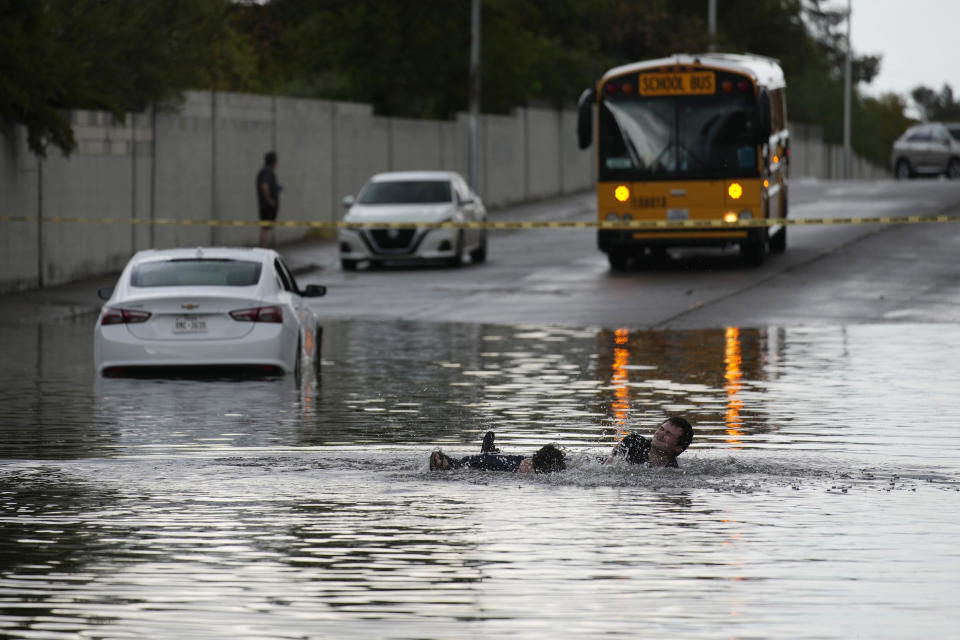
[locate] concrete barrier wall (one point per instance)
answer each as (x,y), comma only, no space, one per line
(303,135)
(543,152)
(182,173)
(19,195)
(199,163)
(810,157)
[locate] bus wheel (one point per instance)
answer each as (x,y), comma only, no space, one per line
(754,250)
(778,241)
(619,260)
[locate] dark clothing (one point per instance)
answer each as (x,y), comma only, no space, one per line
(267,176)
(488,462)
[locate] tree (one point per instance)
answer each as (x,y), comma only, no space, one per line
(936,106)
(110,55)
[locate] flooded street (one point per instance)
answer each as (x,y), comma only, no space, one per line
(819,498)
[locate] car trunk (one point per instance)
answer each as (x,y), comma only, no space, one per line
(177,315)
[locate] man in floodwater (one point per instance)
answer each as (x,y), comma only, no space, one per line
(671,438)
(547,459)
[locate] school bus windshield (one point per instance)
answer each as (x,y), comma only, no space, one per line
(678,137)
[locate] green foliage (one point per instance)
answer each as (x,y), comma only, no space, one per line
(32,85)
(111,55)
(937,106)
(881,120)
(410,58)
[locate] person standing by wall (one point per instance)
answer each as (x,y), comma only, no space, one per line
(268,196)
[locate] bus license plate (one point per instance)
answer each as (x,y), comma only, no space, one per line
(189,324)
(678,214)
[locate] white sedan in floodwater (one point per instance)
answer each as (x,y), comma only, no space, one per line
(207,306)
(413,197)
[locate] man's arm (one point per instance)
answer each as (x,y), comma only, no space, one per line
(265,190)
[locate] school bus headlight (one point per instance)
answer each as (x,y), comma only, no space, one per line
(735,190)
(611,216)
(621,193)
(733,216)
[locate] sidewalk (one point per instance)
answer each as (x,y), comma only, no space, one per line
(64,303)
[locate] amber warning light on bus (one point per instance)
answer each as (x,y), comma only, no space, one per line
(621,193)
(735,190)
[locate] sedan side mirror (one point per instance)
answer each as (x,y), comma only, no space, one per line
(348,201)
(104,293)
(314,291)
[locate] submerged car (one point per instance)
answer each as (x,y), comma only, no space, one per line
(932,148)
(219,307)
(413,197)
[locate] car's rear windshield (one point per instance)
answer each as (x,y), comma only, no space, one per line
(406,192)
(196,272)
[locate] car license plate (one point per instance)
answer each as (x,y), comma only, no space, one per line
(189,324)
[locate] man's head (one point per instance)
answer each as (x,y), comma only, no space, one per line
(548,459)
(270,159)
(673,436)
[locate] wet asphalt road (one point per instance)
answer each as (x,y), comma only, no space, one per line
(828,274)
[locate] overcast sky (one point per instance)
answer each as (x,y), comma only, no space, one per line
(918,39)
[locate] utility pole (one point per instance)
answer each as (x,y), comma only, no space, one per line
(712,23)
(474,169)
(847,90)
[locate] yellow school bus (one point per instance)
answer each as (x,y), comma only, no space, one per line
(689,137)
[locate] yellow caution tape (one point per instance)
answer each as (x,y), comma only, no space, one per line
(496,225)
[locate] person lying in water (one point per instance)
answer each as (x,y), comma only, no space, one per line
(671,438)
(547,459)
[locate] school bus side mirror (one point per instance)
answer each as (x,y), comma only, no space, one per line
(764,122)
(585,118)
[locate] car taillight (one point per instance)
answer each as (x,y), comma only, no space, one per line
(258,314)
(123,316)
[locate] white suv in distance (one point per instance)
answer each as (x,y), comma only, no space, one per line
(413,197)
(932,148)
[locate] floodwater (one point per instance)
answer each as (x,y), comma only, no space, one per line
(819,499)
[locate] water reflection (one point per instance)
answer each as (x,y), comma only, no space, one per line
(427,385)
(256,508)
(733,360)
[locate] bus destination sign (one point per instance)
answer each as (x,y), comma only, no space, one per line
(676,84)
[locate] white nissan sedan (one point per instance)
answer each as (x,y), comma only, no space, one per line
(207,306)
(412,197)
